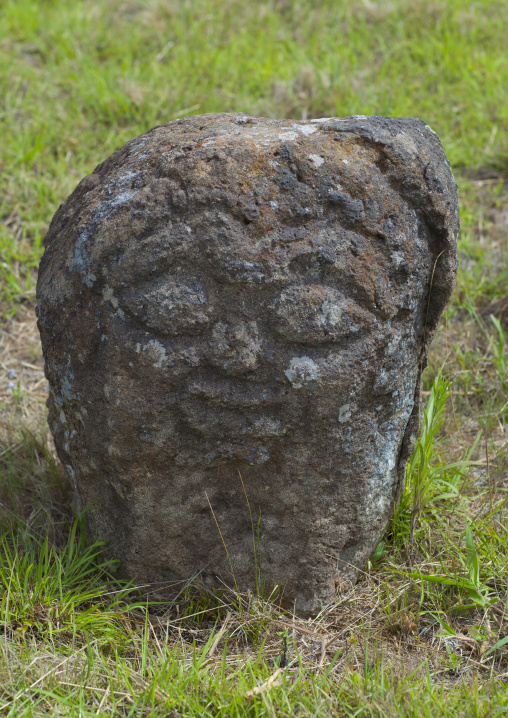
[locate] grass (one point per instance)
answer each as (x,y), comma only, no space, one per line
(424,631)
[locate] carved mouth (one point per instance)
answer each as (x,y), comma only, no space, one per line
(235,395)
(229,410)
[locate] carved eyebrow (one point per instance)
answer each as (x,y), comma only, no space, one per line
(156,253)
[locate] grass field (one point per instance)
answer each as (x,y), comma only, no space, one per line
(423,632)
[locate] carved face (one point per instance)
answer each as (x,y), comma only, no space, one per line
(251,340)
(247,297)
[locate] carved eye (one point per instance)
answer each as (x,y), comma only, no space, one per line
(317,314)
(169,306)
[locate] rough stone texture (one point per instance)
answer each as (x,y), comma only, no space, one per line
(227,294)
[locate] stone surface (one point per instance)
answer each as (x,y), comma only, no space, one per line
(231,294)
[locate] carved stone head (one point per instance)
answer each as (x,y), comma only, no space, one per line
(235,299)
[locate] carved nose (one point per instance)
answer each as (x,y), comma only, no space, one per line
(235,348)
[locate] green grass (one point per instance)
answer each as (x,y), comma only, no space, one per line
(59,593)
(423,633)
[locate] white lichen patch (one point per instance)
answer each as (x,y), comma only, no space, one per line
(156,352)
(331,313)
(406,142)
(398,259)
(393,344)
(108,296)
(301,371)
(344,413)
(338,316)
(122,198)
(305,129)
(316,160)
(288,136)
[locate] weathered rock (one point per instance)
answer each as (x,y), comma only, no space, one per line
(231,294)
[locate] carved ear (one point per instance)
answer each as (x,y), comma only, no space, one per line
(432,193)
(411,158)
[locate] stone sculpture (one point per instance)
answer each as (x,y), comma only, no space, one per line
(232,295)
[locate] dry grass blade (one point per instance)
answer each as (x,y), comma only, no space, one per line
(220,634)
(272,682)
(223,542)
(323,652)
(300,629)
(103,700)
